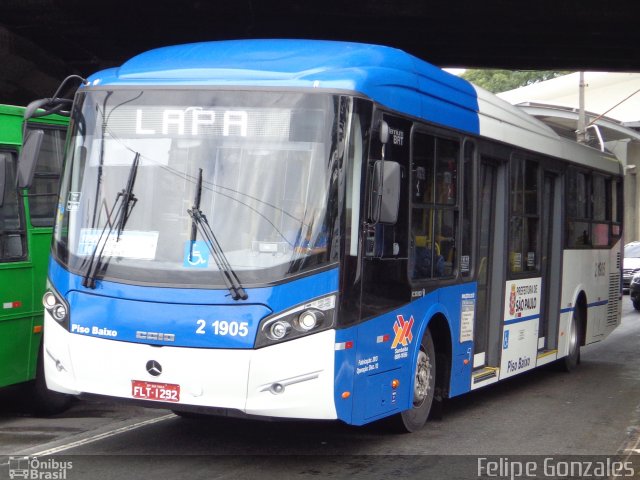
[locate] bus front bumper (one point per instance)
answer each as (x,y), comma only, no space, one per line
(294,379)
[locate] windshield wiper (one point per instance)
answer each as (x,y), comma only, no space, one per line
(196,205)
(129,200)
(125,201)
(201,224)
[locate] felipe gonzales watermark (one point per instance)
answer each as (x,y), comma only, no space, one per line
(38,469)
(550,467)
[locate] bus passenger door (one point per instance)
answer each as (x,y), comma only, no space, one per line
(15,278)
(385,285)
(550,264)
(490,271)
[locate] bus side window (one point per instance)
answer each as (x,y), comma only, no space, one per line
(616,211)
(44,190)
(12,234)
(390,240)
(434,207)
(587,216)
(524,249)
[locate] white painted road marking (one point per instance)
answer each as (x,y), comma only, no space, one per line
(93,438)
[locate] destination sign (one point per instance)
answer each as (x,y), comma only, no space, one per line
(154,121)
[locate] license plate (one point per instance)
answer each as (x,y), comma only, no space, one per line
(164,392)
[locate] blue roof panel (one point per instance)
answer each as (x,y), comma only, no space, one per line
(389,76)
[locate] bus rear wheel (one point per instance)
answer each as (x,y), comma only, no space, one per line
(424,384)
(571,361)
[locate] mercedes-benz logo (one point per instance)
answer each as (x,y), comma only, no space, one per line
(154,368)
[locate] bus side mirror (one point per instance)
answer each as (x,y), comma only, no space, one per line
(385,192)
(28,157)
(3,175)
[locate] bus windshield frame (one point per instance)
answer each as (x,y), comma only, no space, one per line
(267,159)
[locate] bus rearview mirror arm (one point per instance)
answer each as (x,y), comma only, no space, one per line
(384,136)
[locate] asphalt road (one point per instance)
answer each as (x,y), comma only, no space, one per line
(544,417)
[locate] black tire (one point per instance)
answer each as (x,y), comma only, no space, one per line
(43,402)
(190,415)
(423,392)
(212,420)
(636,304)
(571,361)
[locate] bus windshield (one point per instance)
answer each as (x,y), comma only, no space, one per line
(256,165)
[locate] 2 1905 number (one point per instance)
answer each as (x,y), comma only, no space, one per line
(224,328)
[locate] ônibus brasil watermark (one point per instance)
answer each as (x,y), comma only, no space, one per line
(33,468)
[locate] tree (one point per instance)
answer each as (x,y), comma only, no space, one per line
(497,81)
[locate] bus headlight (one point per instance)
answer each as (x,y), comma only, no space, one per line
(278,330)
(56,306)
(49,300)
(310,317)
(59,312)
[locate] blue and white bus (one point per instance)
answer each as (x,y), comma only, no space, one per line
(320,230)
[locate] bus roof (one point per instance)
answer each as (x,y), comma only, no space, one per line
(18,111)
(11,121)
(387,75)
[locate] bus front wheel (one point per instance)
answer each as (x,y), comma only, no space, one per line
(423,389)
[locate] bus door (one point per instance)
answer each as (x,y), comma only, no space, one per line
(385,284)
(490,271)
(42,198)
(551,262)
(528,263)
(15,278)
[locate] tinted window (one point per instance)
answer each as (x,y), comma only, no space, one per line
(12,234)
(43,194)
(434,200)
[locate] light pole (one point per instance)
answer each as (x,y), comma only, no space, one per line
(581,132)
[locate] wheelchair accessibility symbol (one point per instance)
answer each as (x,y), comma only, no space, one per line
(196,255)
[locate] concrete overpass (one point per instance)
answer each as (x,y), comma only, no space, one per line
(42,41)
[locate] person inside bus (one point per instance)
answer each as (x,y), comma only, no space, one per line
(423,258)
(302,237)
(314,241)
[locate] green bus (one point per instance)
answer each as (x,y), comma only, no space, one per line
(26,221)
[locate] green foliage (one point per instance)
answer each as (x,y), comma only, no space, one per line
(497,81)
